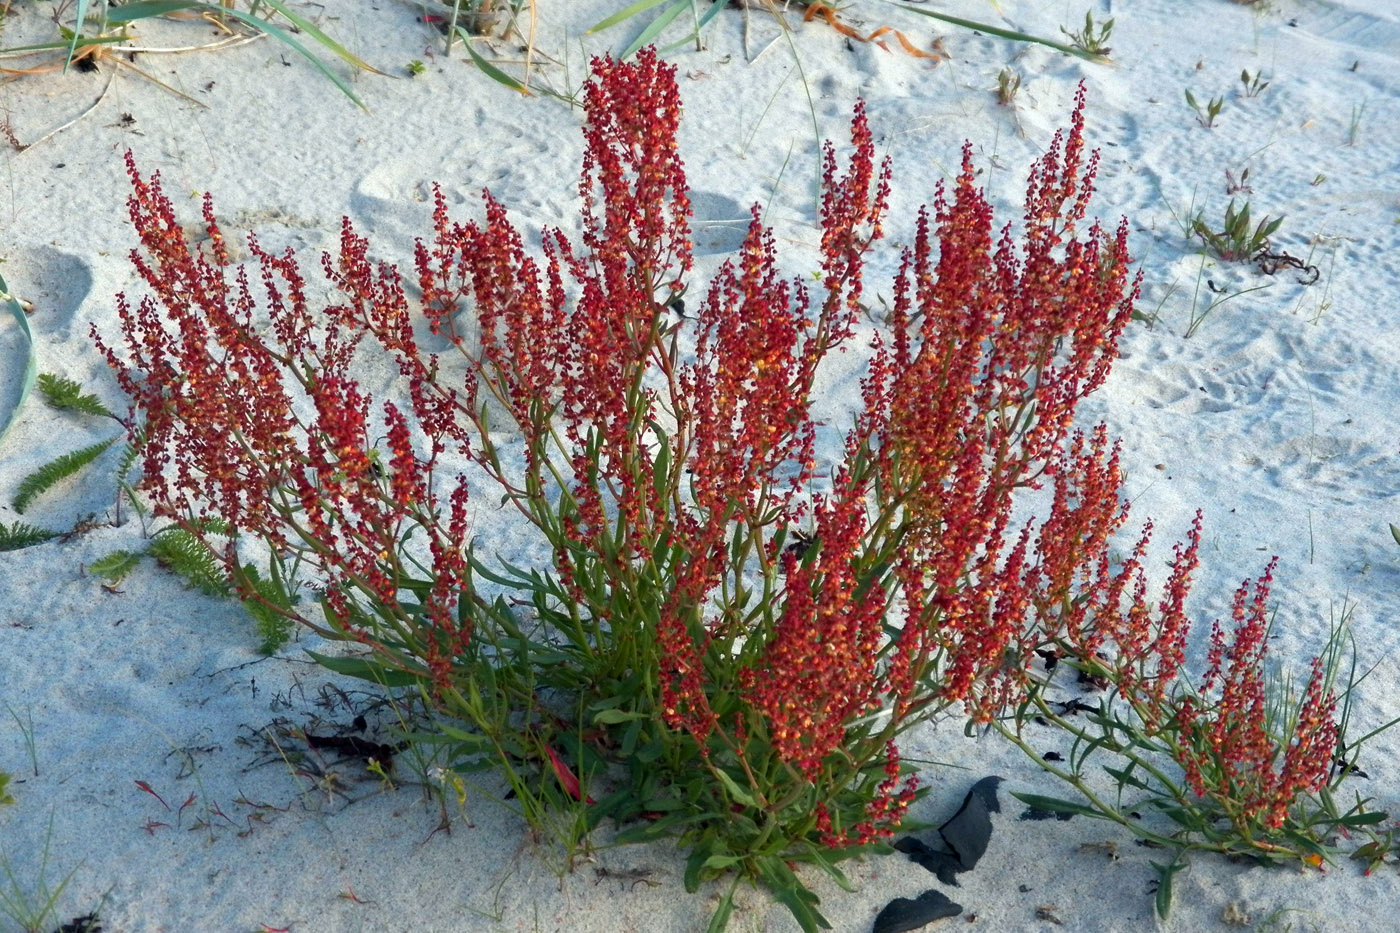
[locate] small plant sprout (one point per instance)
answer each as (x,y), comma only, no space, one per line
(1236,242)
(1008,83)
(1205,115)
(1092,39)
(415,68)
(1239,185)
(1254,84)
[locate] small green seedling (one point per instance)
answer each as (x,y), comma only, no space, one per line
(1254,84)
(1205,115)
(1354,127)
(1237,242)
(1008,83)
(415,68)
(1092,39)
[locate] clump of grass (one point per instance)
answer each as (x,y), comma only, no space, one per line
(32,912)
(1254,84)
(1206,115)
(1092,39)
(1236,242)
(100,31)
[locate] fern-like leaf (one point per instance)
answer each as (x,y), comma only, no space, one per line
(183,553)
(66,395)
(115,566)
(55,470)
(274,628)
(19,535)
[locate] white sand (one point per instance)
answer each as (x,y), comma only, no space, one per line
(1277,418)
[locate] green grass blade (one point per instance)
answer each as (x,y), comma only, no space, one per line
(641,6)
(30,366)
(55,471)
(488,69)
(654,28)
(310,28)
(145,9)
(83,41)
(1000,33)
(77,33)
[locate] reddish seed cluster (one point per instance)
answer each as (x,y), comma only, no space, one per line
(218,390)
(1227,749)
(978,401)
(820,669)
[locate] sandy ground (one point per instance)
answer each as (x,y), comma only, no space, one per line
(1274,417)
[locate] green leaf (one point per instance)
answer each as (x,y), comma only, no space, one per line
(739,794)
(55,471)
(364,669)
(654,28)
(27,379)
(800,901)
(1056,805)
(20,535)
(641,6)
(492,72)
(720,921)
(694,863)
(1165,873)
(658,829)
(1126,776)
(66,395)
(5,797)
(613,717)
(1395,533)
(115,566)
(79,17)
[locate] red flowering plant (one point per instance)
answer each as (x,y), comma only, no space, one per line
(688,662)
(1241,763)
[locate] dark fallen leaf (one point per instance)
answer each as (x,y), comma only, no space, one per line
(965,836)
(943,864)
(903,914)
(374,752)
(88,923)
(970,829)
